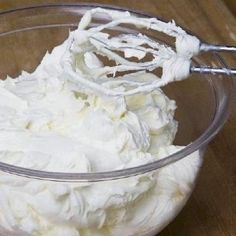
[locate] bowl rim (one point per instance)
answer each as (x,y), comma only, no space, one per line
(221,114)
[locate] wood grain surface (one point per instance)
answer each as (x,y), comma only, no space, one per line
(231,5)
(211,211)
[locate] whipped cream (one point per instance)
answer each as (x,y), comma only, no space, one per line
(69,116)
(86,44)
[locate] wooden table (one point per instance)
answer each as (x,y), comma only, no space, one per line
(210,209)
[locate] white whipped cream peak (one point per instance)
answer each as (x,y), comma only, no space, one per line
(86,44)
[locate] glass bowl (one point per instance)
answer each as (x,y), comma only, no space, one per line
(26,208)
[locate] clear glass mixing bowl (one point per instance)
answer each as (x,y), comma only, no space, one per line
(203,106)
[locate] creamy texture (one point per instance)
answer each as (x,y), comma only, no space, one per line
(86,44)
(53,122)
